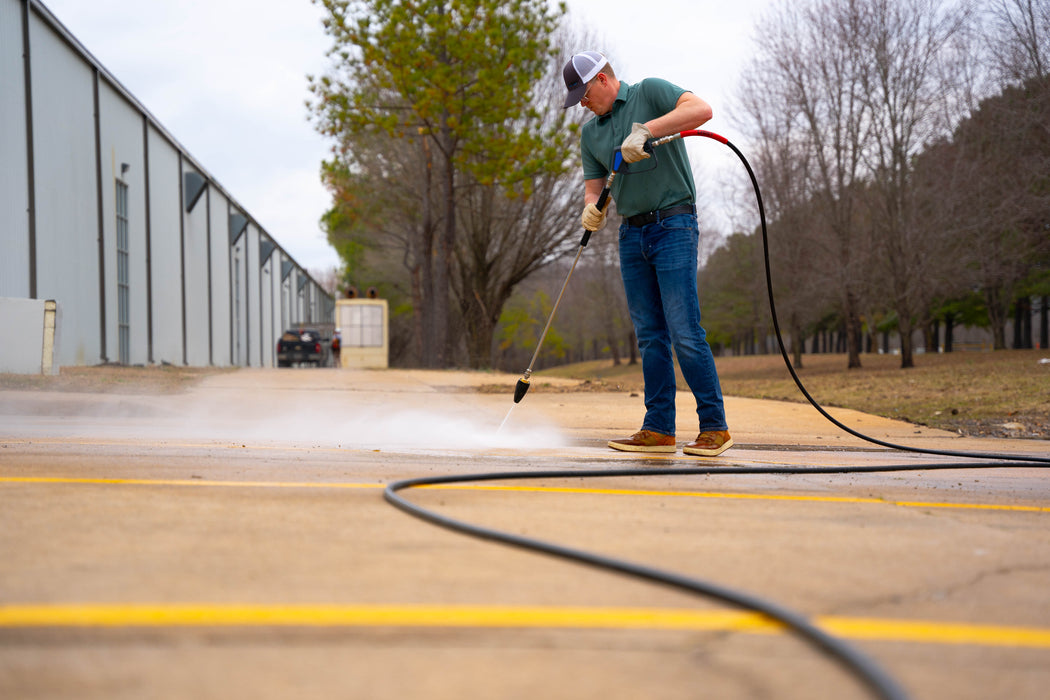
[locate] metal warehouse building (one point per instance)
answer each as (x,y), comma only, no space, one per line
(149,259)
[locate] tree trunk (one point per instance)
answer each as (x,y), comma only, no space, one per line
(905,328)
(418,317)
(996,316)
(852,331)
(798,342)
(614,347)
(422,269)
(931,335)
(441,355)
(949,327)
(1044,331)
(1023,324)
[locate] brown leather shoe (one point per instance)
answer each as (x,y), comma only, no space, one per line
(645,441)
(709,443)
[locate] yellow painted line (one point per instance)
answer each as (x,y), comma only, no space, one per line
(374,616)
(937,632)
(524,489)
(513,617)
(748,496)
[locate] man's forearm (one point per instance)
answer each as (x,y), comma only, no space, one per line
(690,112)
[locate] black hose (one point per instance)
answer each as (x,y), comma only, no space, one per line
(791,369)
(863,668)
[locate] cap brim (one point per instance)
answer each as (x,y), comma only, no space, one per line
(575,96)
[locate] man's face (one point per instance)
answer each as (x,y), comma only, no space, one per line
(598,97)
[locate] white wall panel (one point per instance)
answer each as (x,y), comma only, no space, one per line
(240,300)
(121,138)
(66,194)
(267,340)
(220,279)
(286,297)
(165,210)
(14,173)
(195,245)
(295,299)
(253,296)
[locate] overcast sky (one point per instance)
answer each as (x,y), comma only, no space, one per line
(227,78)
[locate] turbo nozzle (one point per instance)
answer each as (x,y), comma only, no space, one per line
(520,389)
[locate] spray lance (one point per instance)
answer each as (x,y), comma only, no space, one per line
(522,387)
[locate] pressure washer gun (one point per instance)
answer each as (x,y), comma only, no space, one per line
(522,387)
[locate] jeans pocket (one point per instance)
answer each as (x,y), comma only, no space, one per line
(675,246)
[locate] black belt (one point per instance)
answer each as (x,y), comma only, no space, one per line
(651,217)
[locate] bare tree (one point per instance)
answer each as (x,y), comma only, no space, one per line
(903,89)
(810,59)
(783,163)
(1021,38)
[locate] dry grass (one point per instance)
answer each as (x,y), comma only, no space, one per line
(1005,393)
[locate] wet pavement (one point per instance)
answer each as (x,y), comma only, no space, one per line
(233,541)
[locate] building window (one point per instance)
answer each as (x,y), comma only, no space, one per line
(123,285)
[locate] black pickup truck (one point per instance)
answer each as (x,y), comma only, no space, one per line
(300,346)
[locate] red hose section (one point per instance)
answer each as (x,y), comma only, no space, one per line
(708,134)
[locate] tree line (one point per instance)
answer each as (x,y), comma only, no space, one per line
(901,146)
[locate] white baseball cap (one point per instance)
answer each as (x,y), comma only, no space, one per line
(578,71)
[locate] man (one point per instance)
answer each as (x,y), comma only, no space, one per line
(658,241)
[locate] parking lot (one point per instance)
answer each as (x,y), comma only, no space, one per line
(233,541)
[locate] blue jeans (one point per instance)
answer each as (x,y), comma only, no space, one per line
(658,265)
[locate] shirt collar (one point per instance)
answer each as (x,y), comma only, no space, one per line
(621,96)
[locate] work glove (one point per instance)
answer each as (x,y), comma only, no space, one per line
(593,218)
(633,146)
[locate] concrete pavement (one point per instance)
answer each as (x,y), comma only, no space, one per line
(232,541)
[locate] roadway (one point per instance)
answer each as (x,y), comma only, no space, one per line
(233,541)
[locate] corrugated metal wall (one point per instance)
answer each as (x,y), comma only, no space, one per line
(67,192)
(195,266)
(14,187)
(201,291)
(121,130)
(252,296)
(165,249)
(219,207)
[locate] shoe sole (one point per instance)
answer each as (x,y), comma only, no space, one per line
(642,448)
(714,452)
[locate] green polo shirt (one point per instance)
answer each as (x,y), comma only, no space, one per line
(669,184)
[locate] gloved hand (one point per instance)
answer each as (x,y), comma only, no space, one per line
(632,146)
(593,218)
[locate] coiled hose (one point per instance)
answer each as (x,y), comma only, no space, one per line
(863,668)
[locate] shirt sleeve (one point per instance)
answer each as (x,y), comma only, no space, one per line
(592,166)
(661,95)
